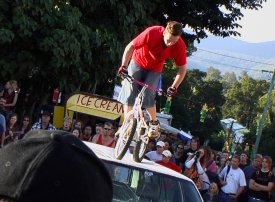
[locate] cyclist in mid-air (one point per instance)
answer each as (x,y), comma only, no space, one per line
(148,52)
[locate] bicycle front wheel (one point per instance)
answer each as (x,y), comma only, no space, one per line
(126,135)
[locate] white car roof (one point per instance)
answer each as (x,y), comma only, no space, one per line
(107,153)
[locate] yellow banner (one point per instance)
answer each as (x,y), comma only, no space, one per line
(96,102)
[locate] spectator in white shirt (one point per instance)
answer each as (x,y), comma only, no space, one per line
(233,181)
(156,155)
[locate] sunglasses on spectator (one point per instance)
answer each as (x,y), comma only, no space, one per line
(180,147)
(26,120)
(108,129)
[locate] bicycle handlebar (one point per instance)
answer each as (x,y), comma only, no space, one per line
(132,79)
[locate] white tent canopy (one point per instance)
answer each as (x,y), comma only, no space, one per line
(236,126)
(180,133)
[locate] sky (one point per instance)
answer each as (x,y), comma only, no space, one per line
(258,25)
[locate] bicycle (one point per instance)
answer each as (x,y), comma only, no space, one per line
(134,126)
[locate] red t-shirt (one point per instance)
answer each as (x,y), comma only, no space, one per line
(170,165)
(150,50)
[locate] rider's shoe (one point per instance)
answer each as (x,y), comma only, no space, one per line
(154,128)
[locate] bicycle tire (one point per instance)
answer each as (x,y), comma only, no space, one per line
(125,139)
(140,149)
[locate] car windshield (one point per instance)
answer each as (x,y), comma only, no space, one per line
(134,184)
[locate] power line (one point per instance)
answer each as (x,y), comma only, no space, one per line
(218,63)
(263,63)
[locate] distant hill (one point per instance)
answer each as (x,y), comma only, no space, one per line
(263,50)
(225,54)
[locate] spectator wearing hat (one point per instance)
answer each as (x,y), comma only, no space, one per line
(166,156)
(156,155)
(55,166)
(67,124)
(45,123)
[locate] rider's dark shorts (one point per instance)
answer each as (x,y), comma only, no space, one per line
(129,91)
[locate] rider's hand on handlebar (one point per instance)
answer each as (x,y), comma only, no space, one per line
(122,69)
(171,91)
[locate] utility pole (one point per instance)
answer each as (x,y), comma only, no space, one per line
(262,120)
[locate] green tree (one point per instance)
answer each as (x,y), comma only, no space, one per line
(266,146)
(228,79)
(218,17)
(271,109)
(213,74)
(48,44)
(242,100)
(78,44)
(194,92)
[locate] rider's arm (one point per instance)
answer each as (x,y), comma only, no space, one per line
(129,49)
(180,76)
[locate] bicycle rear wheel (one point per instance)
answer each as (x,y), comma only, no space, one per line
(140,148)
(126,135)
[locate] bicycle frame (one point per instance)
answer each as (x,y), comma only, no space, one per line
(137,112)
(140,128)
(139,115)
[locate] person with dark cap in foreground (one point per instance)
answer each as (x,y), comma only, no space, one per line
(52,166)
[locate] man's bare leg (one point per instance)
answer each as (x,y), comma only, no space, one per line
(153,113)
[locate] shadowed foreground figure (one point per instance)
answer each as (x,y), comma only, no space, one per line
(52,166)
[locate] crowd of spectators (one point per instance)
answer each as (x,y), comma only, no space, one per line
(219,176)
(12,130)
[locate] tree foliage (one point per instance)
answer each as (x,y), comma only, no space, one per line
(242,100)
(218,17)
(213,74)
(271,108)
(73,45)
(229,78)
(266,146)
(78,44)
(192,95)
